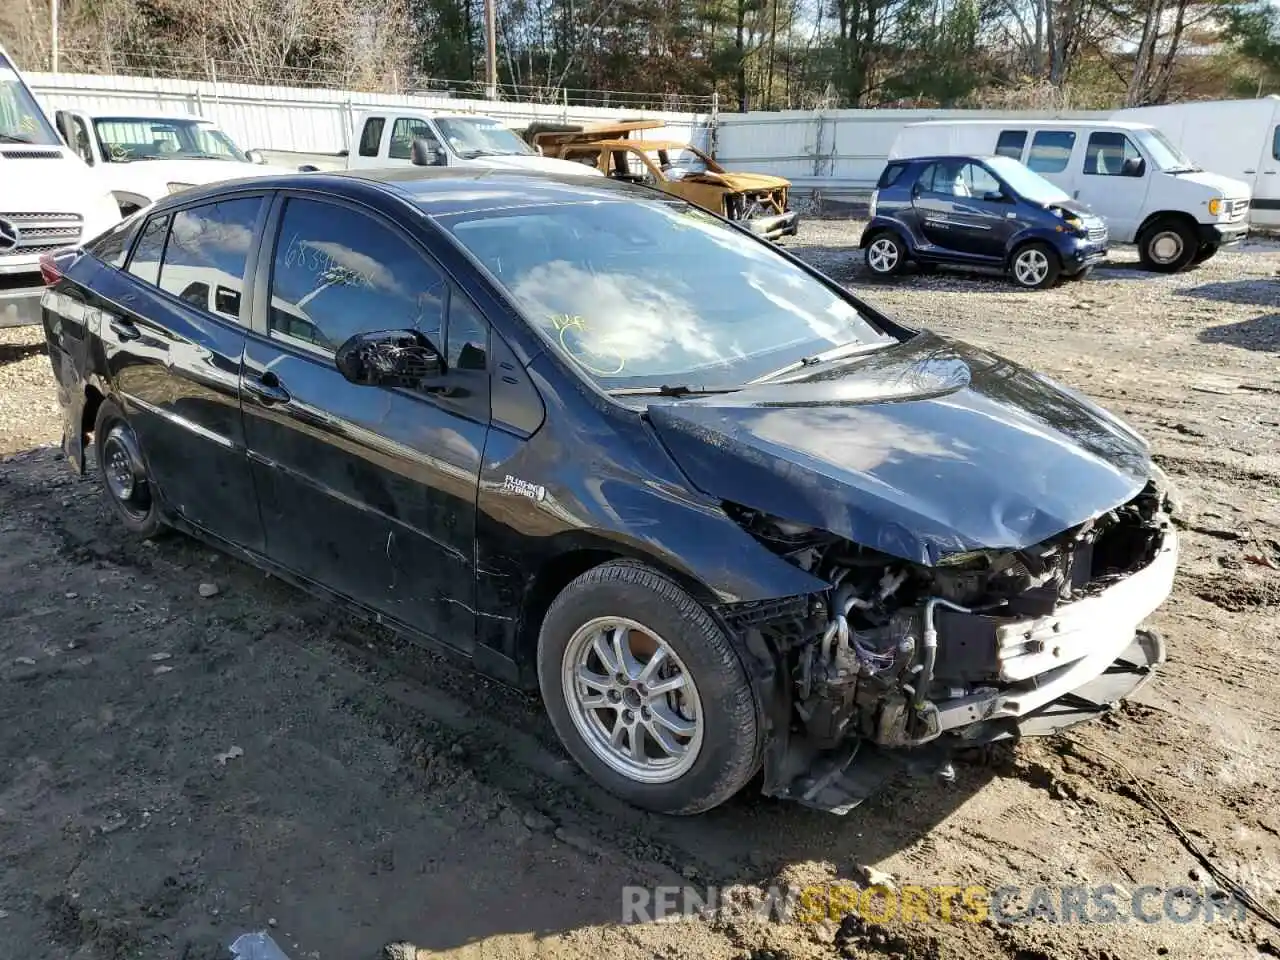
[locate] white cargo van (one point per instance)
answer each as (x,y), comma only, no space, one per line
(1239,138)
(386,138)
(1148,191)
(143,157)
(48,198)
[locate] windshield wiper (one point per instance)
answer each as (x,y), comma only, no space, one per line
(669,390)
(11,138)
(835,353)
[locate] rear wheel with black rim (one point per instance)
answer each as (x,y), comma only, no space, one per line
(124,472)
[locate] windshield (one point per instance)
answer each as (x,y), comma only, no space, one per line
(609,285)
(1164,155)
(161,138)
(21,120)
(1026,183)
(480,136)
(676,164)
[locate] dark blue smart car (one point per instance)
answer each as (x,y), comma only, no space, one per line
(980,212)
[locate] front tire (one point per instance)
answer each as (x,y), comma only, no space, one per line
(886,254)
(1035,266)
(123,473)
(647,692)
(1167,246)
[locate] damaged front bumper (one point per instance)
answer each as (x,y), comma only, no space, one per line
(774,227)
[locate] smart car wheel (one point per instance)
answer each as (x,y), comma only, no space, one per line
(1035,266)
(646,690)
(886,255)
(124,473)
(1167,246)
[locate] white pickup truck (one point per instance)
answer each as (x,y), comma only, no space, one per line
(386,139)
(48,198)
(143,157)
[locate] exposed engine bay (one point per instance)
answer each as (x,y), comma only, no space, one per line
(986,645)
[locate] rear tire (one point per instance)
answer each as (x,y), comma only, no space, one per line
(680,750)
(886,254)
(1035,266)
(1167,246)
(123,473)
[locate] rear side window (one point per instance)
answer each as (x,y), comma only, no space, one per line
(111,247)
(1051,151)
(372,136)
(204,260)
(338,272)
(145,262)
(890,175)
(407,130)
(1010,144)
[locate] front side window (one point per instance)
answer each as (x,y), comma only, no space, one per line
(21,120)
(1107,153)
(371,137)
(337,272)
(204,260)
(1010,143)
(608,285)
(145,262)
(126,139)
(978,180)
(407,130)
(1051,150)
(472,137)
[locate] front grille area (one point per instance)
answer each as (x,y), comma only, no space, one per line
(41,232)
(1237,209)
(30,155)
(1097,233)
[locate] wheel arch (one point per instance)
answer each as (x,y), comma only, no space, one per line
(878,229)
(1180,216)
(1022,241)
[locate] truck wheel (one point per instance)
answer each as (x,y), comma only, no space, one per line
(1206,251)
(886,254)
(124,472)
(1167,246)
(646,691)
(1035,266)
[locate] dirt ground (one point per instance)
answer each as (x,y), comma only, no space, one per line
(180,769)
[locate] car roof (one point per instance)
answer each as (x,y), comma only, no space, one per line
(144,115)
(930,158)
(1013,123)
(436,191)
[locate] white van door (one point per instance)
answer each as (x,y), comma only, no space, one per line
(1265,210)
(1113,178)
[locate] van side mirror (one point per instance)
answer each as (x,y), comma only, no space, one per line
(1134,167)
(254,156)
(426,153)
(389,358)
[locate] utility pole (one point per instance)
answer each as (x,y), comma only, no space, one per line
(53,31)
(490,51)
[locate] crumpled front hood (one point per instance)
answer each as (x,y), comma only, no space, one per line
(740,181)
(925,448)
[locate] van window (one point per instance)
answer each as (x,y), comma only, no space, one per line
(371,137)
(890,175)
(1107,153)
(1051,151)
(1011,143)
(407,130)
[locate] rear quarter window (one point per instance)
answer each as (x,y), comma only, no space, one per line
(891,175)
(113,246)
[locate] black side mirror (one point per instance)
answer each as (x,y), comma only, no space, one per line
(423,154)
(389,358)
(1134,167)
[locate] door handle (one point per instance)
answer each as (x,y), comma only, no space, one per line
(268,389)
(125,330)
(1268,171)
(1249,171)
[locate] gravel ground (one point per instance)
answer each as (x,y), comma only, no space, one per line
(180,769)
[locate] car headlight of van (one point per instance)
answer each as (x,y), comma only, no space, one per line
(179,187)
(1216,206)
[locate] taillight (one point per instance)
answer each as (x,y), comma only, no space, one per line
(49,270)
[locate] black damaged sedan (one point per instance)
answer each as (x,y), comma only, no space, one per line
(725,515)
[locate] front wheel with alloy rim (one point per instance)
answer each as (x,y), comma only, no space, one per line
(1035,266)
(886,255)
(124,472)
(647,691)
(1167,246)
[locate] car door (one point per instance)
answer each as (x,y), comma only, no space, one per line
(979,213)
(949,213)
(931,203)
(1113,180)
(1266,192)
(366,490)
(173,331)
